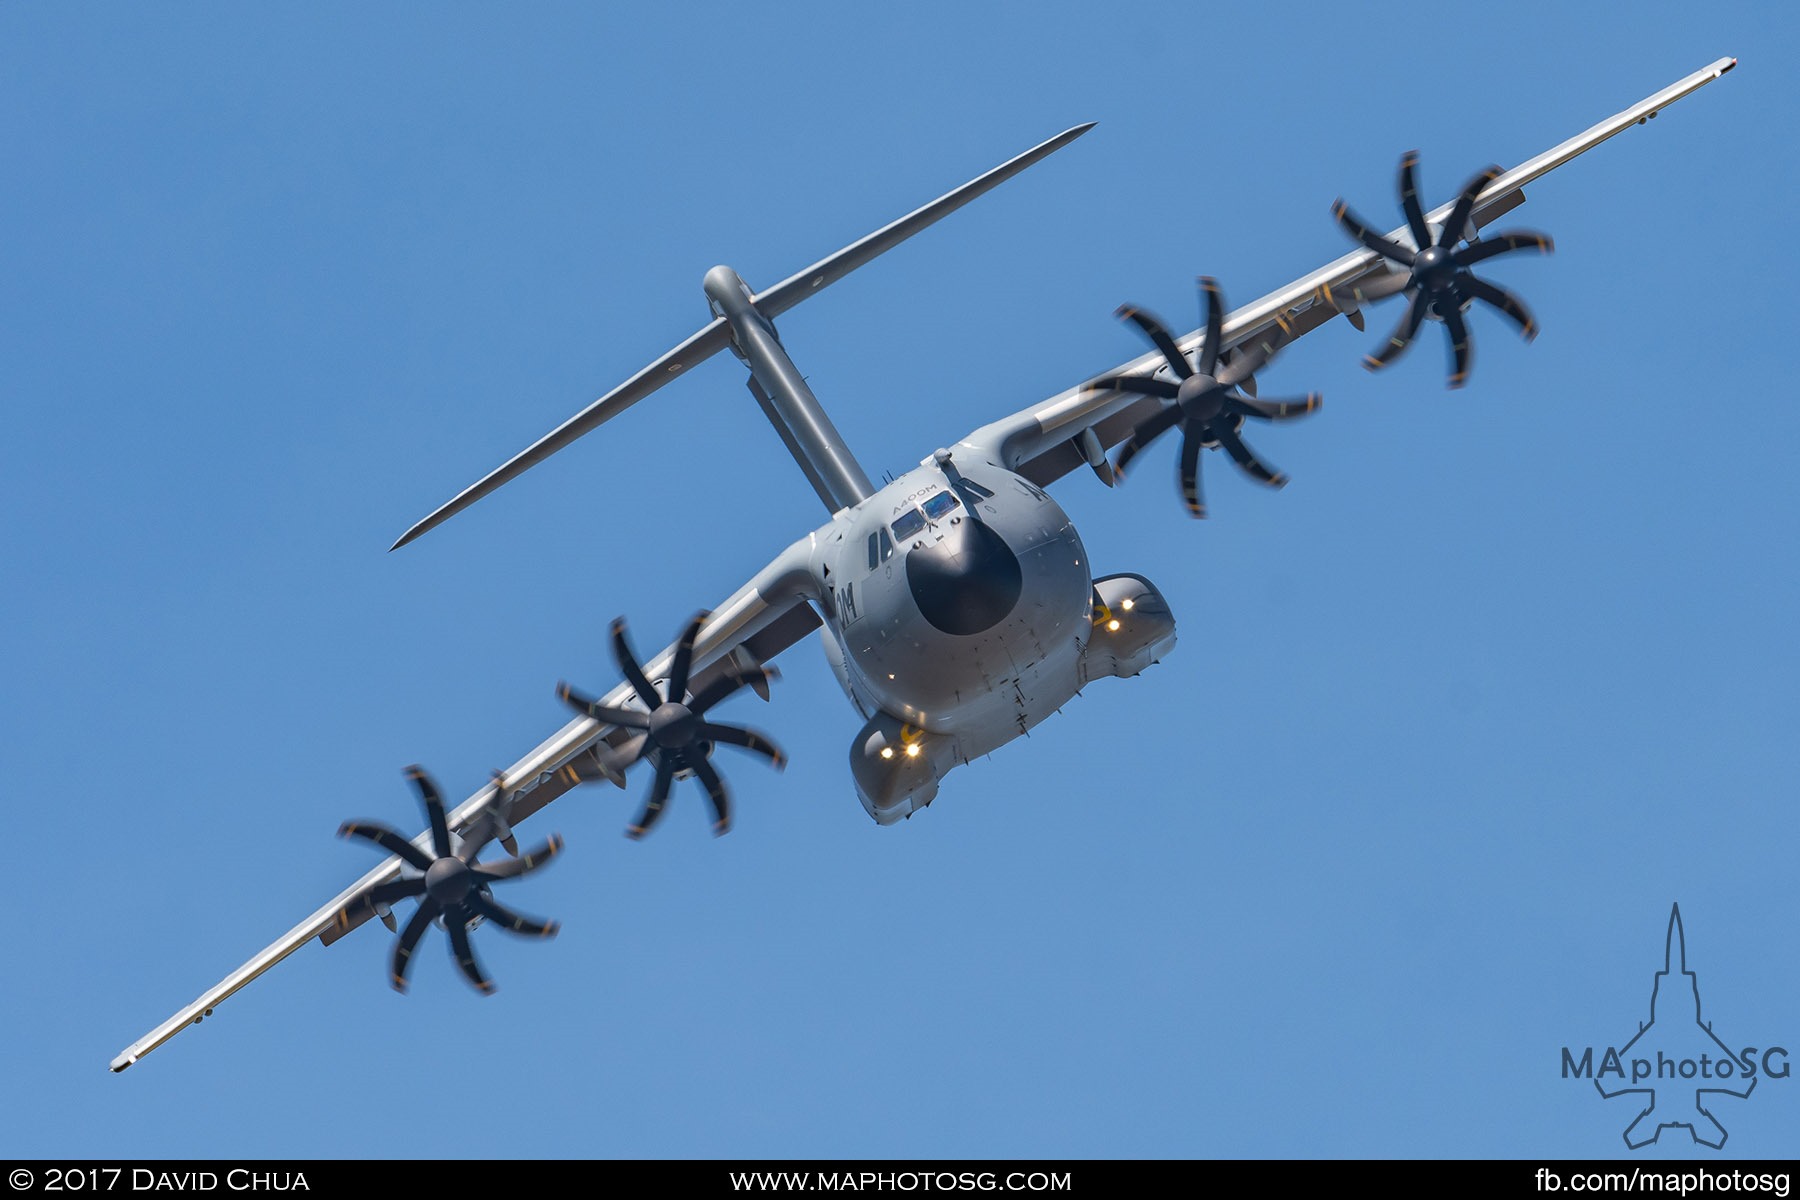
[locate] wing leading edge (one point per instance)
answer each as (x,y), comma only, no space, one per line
(1044,442)
(760,620)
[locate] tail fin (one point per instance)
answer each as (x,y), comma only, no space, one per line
(716,334)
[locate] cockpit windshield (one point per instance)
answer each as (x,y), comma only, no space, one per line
(939,506)
(908,524)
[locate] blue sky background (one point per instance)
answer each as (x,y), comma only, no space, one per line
(1453,719)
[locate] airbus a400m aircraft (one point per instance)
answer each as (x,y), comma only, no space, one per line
(956,604)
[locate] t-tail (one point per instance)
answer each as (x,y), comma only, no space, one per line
(744,321)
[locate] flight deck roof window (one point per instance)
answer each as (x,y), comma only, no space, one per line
(908,524)
(939,506)
(972,492)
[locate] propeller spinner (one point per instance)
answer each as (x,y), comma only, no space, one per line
(1436,278)
(1208,406)
(450,886)
(672,730)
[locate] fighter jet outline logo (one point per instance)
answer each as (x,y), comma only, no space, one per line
(1676,992)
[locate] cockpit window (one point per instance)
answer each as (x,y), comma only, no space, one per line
(887,546)
(875,550)
(939,505)
(908,525)
(972,492)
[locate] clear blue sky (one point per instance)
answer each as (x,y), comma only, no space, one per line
(1452,721)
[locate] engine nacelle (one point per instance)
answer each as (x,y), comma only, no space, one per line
(1133,628)
(897,766)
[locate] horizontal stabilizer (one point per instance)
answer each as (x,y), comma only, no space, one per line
(716,334)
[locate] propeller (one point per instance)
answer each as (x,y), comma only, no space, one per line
(1208,404)
(452,888)
(1436,279)
(671,730)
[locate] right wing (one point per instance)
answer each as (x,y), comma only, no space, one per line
(1050,439)
(760,620)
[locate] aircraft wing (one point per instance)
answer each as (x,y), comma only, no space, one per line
(1052,438)
(760,620)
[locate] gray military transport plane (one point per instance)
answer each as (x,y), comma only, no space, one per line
(957,605)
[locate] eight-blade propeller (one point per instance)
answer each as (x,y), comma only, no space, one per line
(671,730)
(1437,279)
(453,887)
(1208,405)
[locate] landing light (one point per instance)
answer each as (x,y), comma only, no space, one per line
(912,750)
(887,752)
(1127,603)
(1112,626)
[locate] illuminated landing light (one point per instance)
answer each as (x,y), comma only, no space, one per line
(887,752)
(1112,626)
(890,674)
(912,750)
(1127,604)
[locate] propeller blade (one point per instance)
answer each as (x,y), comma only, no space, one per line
(398,889)
(715,792)
(512,868)
(727,684)
(1461,351)
(1191,445)
(1242,367)
(465,955)
(1240,454)
(409,938)
(1137,385)
(477,836)
(1503,243)
(1505,301)
(1276,410)
(1215,324)
(1403,333)
(659,796)
(434,808)
(627,755)
(509,920)
(1159,336)
(684,657)
(388,840)
(1144,434)
(628,666)
(1458,224)
(1392,251)
(748,739)
(587,705)
(1409,200)
(1253,357)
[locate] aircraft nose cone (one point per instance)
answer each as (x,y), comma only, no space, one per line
(966,583)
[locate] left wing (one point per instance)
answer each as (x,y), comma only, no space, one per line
(1050,439)
(760,620)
